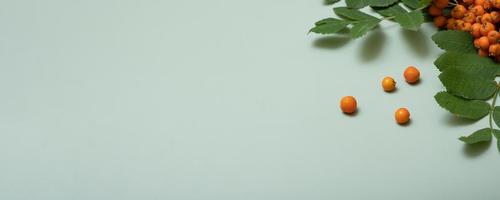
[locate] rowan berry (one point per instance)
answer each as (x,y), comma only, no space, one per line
(411,74)
(402,116)
(348,104)
(388,84)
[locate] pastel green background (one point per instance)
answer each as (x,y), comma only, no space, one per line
(221,99)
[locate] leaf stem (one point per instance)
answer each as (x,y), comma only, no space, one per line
(493,106)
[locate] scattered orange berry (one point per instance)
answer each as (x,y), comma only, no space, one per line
(348,104)
(402,116)
(388,84)
(411,74)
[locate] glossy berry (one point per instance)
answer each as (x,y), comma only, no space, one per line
(348,104)
(402,116)
(411,74)
(388,84)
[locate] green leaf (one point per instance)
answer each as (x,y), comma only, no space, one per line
(329,26)
(390,11)
(455,41)
(472,64)
(353,14)
(411,20)
(496,115)
(360,28)
(330,2)
(356,4)
(466,85)
(381,3)
(413,4)
(483,135)
(469,109)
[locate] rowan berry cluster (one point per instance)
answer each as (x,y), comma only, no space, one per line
(481,18)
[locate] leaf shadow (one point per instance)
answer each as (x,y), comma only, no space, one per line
(372,45)
(474,150)
(331,42)
(453,121)
(417,41)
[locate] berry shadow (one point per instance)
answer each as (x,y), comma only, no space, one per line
(406,124)
(453,121)
(419,81)
(354,114)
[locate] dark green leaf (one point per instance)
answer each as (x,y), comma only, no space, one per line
(390,11)
(466,85)
(356,4)
(411,20)
(360,28)
(496,115)
(329,25)
(353,14)
(455,41)
(483,135)
(472,64)
(469,109)
(381,3)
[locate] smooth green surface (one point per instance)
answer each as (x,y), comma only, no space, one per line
(224,99)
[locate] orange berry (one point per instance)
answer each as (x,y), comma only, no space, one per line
(441,3)
(450,24)
(476,43)
(495,3)
(479,2)
(486,18)
(487,5)
(348,104)
(440,21)
(483,43)
(388,84)
(482,52)
(458,11)
(495,17)
(411,74)
(402,116)
(477,10)
(435,11)
(486,28)
(467,27)
(469,17)
(493,36)
(493,49)
(476,30)
(459,24)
